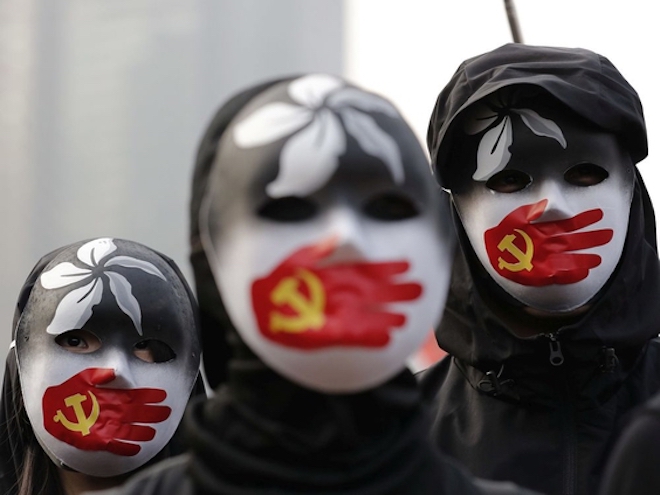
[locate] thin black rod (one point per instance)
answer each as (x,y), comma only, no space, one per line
(513,21)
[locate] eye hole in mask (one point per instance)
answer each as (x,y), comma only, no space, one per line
(509,181)
(79,341)
(288,209)
(153,351)
(85,342)
(390,207)
(585,175)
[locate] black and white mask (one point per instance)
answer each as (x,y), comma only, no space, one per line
(108,354)
(544,198)
(327,237)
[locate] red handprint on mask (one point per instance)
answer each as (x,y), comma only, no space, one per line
(539,254)
(88,417)
(307,306)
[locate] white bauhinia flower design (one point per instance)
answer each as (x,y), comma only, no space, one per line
(493,152)
(75,308)
(316,130)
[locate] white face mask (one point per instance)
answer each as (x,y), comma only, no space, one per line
(95,402)
(332,278)
(546,210)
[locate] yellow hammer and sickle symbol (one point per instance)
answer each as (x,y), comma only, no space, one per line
(524,258)
(309,311)
(84,423)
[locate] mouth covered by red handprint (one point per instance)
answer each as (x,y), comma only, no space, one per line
(88,417)
(305,304)
(542,253)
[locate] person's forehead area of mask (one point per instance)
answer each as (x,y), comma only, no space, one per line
(240,178)
(166,313)
(587,156)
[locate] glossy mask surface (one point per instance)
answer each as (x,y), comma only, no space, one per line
(328,240)
(547,204)
(106,398)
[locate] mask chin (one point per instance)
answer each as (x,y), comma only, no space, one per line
(554,299)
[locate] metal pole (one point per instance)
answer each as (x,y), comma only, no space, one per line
(513,21)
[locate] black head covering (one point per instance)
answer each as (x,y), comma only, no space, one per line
(584,81)
(475,328)
(16,435)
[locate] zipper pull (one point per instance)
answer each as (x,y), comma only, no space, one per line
(556,356)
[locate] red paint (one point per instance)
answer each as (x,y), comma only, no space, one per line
(102,418)
(307,305)
(539,254)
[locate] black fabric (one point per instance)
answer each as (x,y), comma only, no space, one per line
(411,467)
(304,442)
(500,406)
(633,465)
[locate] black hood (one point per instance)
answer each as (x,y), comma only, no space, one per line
(476,326)
(586,82)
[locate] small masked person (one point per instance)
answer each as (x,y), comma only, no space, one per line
(321,248)
(552,314)
(105,355)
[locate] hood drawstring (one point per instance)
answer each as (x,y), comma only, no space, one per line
(492,385)
(608,360)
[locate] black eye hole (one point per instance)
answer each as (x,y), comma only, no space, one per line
(288,209)
(153,351)
(509,181)
(78,341)
(390,206)
(585,175)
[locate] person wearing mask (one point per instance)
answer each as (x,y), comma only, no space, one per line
(104,357)
(321,250)
(551,321)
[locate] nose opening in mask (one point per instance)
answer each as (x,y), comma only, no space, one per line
(118,361)
(346,229)
(557,207)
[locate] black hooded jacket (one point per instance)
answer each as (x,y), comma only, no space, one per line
(260,433)
(542,411)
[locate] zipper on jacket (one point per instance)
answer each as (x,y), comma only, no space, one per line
(567,413)
(556,356)
(569,470)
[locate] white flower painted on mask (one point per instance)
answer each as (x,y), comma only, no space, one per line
(317,131)
(493,152)
(75,308)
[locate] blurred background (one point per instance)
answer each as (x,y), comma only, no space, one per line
(102,102)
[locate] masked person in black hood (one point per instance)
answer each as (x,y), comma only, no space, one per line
(321,247)
(551,318)
(105,354)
